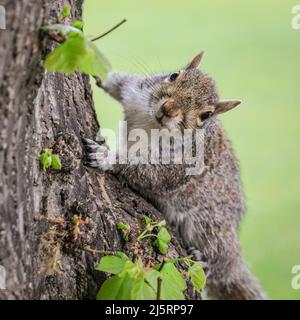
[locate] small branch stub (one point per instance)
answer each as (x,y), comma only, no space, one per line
(159,281)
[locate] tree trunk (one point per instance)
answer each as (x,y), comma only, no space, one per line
(41,250)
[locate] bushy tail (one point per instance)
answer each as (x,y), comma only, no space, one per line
(238,284)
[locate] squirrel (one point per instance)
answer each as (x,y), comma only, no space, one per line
(206,209)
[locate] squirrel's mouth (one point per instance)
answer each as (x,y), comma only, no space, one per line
(159,119)
(167,122)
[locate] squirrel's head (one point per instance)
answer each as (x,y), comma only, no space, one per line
(185,99)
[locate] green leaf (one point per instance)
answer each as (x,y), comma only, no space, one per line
(197,276)
(94,62)
(65,57)
(111,264)
(162,241)
(77,24)
(151,277)
(161,246)
(132,268)
(134,283)
(173,283)
(66,11)
(55,163)
(141,290)
(129,284)
(77,53)
(119,287)
(164,235)
(46,159)
(111,287)
(170,272)
(146,292)
(123,226)
(122,256)
(147,220)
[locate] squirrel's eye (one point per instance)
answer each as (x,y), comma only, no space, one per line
(174,76)
(204,116)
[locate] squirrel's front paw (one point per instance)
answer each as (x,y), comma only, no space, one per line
(97,156)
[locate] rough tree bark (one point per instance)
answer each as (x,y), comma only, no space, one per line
(41,255)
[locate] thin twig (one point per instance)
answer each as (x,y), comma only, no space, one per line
(162,265)
(147,236)
(159,281)
(94,251)
(109,31)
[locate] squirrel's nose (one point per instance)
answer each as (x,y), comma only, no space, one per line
(169,110)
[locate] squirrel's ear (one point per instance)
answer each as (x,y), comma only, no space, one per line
(226,105)
(195,62)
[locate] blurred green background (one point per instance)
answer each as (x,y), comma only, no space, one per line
(253,53)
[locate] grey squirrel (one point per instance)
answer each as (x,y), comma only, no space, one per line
(207,208)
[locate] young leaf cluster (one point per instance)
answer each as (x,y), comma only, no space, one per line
(131,280)
(49,160)
(77,52)
(162,237)
(125,228)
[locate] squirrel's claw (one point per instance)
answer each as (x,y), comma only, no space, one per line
(96,155)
